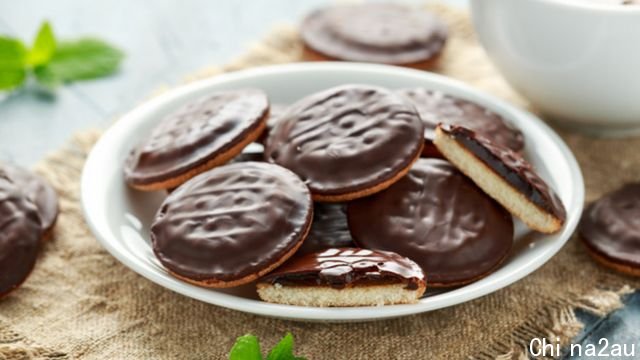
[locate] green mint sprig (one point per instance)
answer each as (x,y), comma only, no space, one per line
(247,347)
(55,62)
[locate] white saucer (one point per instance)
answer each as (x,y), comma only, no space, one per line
(120,217)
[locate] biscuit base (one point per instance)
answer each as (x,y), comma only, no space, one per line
(370,190)
(309,54)
(495,186)
(216,283)
(217,160)
(326,296)
(611,264)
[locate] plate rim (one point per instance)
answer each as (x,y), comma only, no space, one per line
(300,313)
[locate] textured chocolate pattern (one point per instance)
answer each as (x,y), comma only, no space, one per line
(347,138)
(232,221)
(20,236)
(37,190)
(436,107)
(382,33)
(611,225)
(195,134)
(440,219)
(512,167)
(342,267)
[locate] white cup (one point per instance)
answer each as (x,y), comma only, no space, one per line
(578,61)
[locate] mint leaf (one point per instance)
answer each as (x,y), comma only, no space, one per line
(10,79)
(12,63)
(283,350)
(246,347)
(43,47)
(79,60)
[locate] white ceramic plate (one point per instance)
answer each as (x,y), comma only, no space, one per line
(120,217)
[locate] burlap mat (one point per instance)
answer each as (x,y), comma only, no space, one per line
(82,303)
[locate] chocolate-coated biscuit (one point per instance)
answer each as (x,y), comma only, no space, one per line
(20,236)
(610,229)
(347,142)
(438,218)
(202,134)
(232,224)
(503,174)
(380,33)
(344,277)
(38,191)
(436,107)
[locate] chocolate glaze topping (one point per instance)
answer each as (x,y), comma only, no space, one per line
(436,107)
(346,139)
(512,167)
(440,219)
(328,230)
(611,225)
(382,33)
(20,235)
(345,267)
(232,221)
(37,190)
(196,133)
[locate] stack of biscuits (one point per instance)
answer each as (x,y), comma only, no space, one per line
(362,194)
(344,207)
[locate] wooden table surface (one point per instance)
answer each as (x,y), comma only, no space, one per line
(164,40)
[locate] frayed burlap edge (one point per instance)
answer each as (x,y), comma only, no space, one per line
(557,323)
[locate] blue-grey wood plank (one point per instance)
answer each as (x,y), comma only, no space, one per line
(620,328)
(32,125)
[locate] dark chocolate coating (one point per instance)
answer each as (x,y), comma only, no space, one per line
(346,139)
(610,226)
(381,33)
(20,236)
(436,107)
(344,267)
(195,134)
(438,218)
(37,190)
(512,167)
(232,221)
(328,230)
